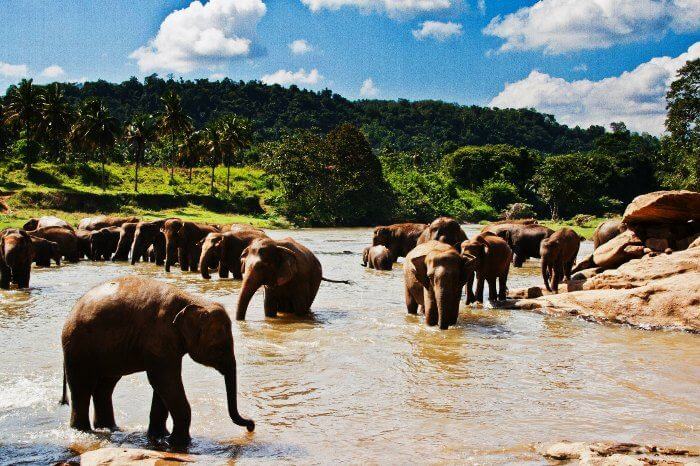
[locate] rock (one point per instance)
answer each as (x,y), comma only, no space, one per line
(663,206)
(622,248)
(586,274)
(695,244)
(651,292)
(616,454)
(134,456)
(657,244)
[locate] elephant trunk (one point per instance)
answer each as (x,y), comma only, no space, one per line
(545,274)
(232,399)
(136,251)
(205,258)
(251,283)
(447,301)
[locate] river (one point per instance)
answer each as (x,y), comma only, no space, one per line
(362,381)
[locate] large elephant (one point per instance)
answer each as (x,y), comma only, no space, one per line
(134,324)
(446,230)
(126,239)
(15,258)
(67,241)
(434,274)
(377,257)
(290,273)
(103,243)
(524,239)
(44,251)
(399,238)
(149,234)
(607,231)
(83,243)
(223,251)
(181,243)
(489,257)
(558,253)
(46,221)
(103,221)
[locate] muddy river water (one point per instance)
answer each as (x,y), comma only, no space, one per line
(362,381)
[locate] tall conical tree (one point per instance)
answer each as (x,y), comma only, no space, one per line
(95,129)
(173,121)
(139,132)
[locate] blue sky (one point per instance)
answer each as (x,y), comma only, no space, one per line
(586,61)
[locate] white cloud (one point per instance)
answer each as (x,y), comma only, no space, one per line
(580,68)
(393,8)
(8,70)
(369,89)
(438,30)
(287,78)
(636,97)
(300,47)
(52,72)
(558,26)
(217,77)
(481,5)
(202,35)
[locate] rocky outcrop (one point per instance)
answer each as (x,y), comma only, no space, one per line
(615,453)
(661,291)
(663,207)
(134,456)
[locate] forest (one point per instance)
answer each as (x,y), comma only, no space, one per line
(332,161)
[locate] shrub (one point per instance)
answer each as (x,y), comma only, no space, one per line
(499,194)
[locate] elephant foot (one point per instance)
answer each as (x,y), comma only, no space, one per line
(179,440)
(111,428)
(157,433)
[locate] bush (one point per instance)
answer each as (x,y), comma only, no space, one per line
(499,194)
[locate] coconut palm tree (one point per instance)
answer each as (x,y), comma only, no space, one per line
(192,151)
(57,116)
(215,144)
(236,134)
(23,106)
(173,121)
(95,129)
(138,133)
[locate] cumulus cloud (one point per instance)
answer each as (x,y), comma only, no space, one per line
(636,97)
(558,26)
(369,89)
(217,77)
(287,78)
(438,30)
(393,8)
(202,35)
(8,70)
(300,47)
(52,72)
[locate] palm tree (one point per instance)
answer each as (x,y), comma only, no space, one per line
(173,121)
(192,151)
(57,116)
(215,145)
(96,129)
(23,106)
(138,133)
(236,135)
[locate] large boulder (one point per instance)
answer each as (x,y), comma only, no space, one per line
(663,207)
(616,454)
(660,291)
(622,248)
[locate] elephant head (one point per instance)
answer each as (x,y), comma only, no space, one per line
(264,262)
(446,230)
(206,333)
(145,235)
(383,236)
(365,256)
(31,224)
(211,253)
(474,252)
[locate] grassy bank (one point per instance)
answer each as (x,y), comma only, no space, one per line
(584,229)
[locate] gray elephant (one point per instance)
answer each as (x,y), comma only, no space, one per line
(223,251)
(446,230)
(16,252)
(377,257)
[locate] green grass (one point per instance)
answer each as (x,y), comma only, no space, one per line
(584,229)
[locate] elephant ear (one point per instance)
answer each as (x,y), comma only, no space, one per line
(190,322)
(420,270)
(467,261)
(480,239)
(287,267)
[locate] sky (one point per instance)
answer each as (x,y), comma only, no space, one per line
(585,61)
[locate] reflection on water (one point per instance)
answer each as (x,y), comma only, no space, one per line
(362,380)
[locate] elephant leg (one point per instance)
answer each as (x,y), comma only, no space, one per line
(469,287)
(431,310)
(158,418)
(546,274)
(567,269)
(194,259)
(183,258)
(558,275)
(223,270)
(167,383)
(411,303)
(271,304)
(480,289)
(492,289)
(81,390)
(102,402)
(4,276)
(502,287)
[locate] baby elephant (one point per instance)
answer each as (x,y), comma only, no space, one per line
(377,257)
(559,253)
(134,324)
(434,274)
(489,257)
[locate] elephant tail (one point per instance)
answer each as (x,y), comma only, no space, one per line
(64,397)
(345,282)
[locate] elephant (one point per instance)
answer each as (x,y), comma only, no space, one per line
(445,230)
(607,231)
(489,257)
(182,237)
(103,243)
(46,221)
(377,257)
(126,238)
(16,252)
(434,274)
(290,273)
(103,221)
(149,234)
(559,253)
(524,239)
(399,238)
(45,250)
(133,324)
(67,241)
(223,251)
(83,243)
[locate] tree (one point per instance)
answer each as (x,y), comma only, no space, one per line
(173,121)
(566,184)
(57,117)
(192,151)
(215,145)
(23,106)
(138,133)
(236,134)
(96,130)
(682,146)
